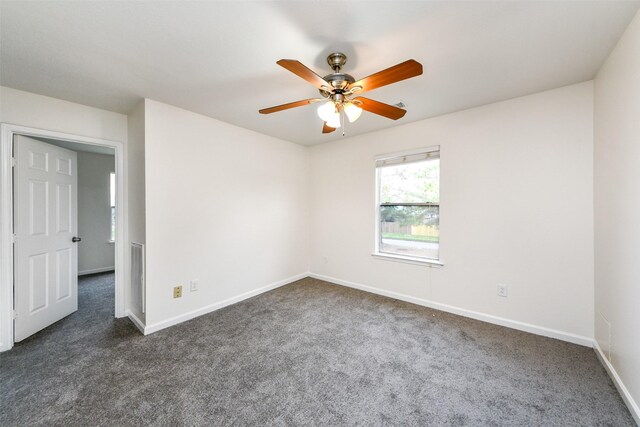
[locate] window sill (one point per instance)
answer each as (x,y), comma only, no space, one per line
(408,260)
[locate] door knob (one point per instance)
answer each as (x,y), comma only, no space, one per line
(76,239)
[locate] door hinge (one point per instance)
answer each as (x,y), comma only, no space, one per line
(14,237)
(15,314)
(14,162)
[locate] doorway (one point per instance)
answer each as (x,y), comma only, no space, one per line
(56,267)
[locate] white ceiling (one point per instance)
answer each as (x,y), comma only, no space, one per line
(218,58)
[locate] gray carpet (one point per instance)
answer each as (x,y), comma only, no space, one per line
(309,353)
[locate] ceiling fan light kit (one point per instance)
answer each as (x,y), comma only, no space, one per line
(352,111)
(327,111)
(337,89)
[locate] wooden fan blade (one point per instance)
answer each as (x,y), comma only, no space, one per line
(327,129)
(289,105)
(297,68)
(402,71)
(380,108)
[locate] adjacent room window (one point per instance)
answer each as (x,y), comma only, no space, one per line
(112,198)
(409,205)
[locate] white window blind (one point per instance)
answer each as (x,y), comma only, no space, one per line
(410,158)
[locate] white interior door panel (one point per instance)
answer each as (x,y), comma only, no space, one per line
(45,222)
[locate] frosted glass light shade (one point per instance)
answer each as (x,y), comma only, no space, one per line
(352,111)
(327,110)
(334,122)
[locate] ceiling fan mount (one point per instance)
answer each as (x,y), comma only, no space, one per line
(338,87)
(336,61)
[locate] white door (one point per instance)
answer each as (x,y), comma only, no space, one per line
(45,219)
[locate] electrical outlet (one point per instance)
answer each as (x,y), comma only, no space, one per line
(502,290)
(177,291)
(193,285)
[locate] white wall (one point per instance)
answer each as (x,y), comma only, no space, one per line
(135,200)
(617,211)
(29,109)
(95,252)
(516,208)
(224,205)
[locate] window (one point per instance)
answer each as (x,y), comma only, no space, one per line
(408,211)
(112,198)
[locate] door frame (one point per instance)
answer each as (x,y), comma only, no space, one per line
(7,132)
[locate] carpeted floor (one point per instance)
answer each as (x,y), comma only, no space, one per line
(309,353)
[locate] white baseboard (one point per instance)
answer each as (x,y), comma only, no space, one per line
(622,389)
(514,324)
(136,321)
(216,306)
(96,270)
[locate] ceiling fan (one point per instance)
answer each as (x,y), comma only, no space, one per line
(337,89)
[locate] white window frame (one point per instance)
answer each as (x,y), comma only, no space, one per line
(376,249)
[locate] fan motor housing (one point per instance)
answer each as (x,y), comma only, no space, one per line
(339,82)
